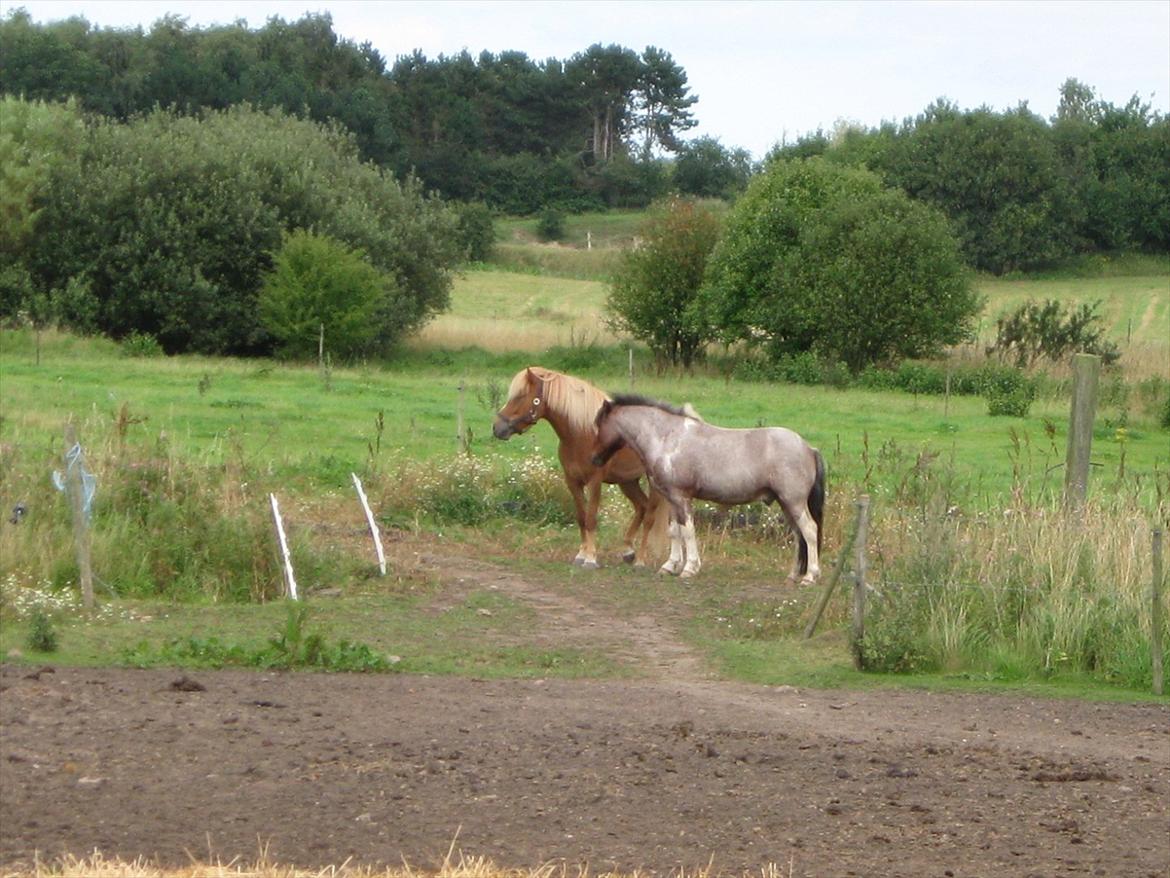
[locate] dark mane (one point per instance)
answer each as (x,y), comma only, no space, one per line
(623,399)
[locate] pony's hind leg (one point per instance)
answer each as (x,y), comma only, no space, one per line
(638,498)
(805,563)
(807,556)
(674,564)
(693,563)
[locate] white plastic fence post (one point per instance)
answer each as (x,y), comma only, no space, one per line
(377,535)
(290,581)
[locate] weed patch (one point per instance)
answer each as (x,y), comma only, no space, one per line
(292,648)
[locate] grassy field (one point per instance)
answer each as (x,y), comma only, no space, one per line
(186,449)
(297,419)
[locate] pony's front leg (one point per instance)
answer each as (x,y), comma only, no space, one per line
(587,499)
(694,564)
(674,563)
(577,492)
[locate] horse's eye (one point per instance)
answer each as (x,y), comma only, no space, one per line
(536,401)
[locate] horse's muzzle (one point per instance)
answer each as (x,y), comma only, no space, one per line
(502,429)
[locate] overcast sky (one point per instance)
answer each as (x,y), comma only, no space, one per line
(763,71)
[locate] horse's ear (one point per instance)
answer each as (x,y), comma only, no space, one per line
(606,408)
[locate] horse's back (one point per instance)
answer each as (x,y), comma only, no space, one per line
(775,456)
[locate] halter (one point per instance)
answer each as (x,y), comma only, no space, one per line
(533,413)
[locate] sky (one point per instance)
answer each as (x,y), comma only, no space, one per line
(764,72)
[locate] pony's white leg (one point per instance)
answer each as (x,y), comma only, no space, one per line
(808,529)
(694,564)
(586,498)
(675,562)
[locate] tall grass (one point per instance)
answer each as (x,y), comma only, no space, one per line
(1026,589)
(556,260)
(162,524)
(980,572)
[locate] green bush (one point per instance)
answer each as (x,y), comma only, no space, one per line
(320,290)
(819,257)
(476,230)
(141,344)
(550,226)
(652,291)
(41,635)
(1052,330)
(1008,392)
(173,221)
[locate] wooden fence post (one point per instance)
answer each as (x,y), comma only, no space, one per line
(377,535)
(460,433)
(75,489)
(1156,614)
(858,634)
(290,581)
(838,569)
(1086,368)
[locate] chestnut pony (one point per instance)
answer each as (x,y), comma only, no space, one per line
(687,458)
(570,405)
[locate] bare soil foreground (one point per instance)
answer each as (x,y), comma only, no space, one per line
(654,775)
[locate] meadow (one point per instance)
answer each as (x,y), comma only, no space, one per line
(985,582)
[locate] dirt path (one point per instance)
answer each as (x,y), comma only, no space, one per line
(643,642)
(677,770)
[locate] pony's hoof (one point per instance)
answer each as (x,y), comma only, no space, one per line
(688,574)
(666,570)
(590,565)
(629,556)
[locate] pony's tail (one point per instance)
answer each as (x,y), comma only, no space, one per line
(816,508)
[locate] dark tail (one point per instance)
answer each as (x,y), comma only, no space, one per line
(816,508)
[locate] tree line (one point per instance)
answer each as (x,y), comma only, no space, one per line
(1020,191)
(202,186)
(605,128)
(506,129)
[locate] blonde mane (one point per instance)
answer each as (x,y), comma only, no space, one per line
(573,399)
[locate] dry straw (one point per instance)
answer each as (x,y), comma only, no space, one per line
(455,866)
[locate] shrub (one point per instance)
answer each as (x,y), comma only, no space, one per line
(318,286)
(653,289)
(41,636)
(173,221)
(141,344)
(476,231)
(817,257)
(550,226)
(1008,392)
(1051,330)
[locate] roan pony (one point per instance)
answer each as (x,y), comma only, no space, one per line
(570,405)
(687,458)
